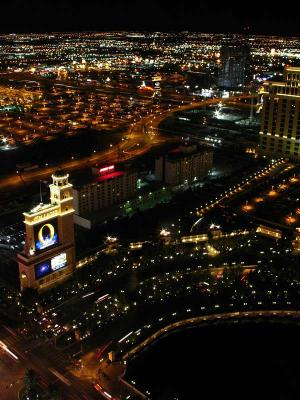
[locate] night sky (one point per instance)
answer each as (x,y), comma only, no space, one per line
(263,17)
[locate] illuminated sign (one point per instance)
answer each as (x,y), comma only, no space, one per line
(46,235)
(47,267)
(59,261)
(106,169)
(45,215)
(42,269)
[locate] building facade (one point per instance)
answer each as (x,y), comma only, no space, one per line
(184,165)
(234,66)
(49,253)
(107,187)
(280,116)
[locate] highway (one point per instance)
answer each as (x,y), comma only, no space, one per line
(138,143)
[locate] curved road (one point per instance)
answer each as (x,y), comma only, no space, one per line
(138,143)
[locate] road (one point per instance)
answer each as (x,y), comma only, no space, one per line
(51,365)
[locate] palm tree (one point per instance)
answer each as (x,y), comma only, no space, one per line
(30,382)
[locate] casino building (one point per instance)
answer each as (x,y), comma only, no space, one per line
(48,257)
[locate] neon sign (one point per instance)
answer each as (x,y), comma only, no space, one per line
(106,169)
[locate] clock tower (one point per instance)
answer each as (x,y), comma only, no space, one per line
(49,252)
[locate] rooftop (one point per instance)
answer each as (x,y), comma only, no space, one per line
(292,68)
(38,208)
(186,150)
(60,173)
(111,175)
(89,176)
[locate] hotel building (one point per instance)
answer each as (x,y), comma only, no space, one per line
(185,164)
(107,186)
(280,116)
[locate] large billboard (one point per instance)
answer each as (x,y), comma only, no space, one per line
(47,267)
(46,235)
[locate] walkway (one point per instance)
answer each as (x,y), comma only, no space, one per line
(205,318)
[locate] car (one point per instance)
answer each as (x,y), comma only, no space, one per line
(98,387)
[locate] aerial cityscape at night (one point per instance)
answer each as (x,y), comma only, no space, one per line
(149,202)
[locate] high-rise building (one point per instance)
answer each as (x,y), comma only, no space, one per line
(49,252)
(109,185)
(234,66)
(280,116)
(185,164)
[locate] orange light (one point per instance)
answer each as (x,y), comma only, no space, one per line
(290,219)
(259,199)
(247,207)
(283,186)
(272,193)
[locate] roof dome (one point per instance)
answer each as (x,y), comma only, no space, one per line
(59,173)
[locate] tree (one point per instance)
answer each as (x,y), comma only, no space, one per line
(30,383)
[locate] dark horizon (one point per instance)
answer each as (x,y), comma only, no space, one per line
(156,16)
(81,31)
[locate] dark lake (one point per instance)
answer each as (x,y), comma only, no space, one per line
(226,361)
